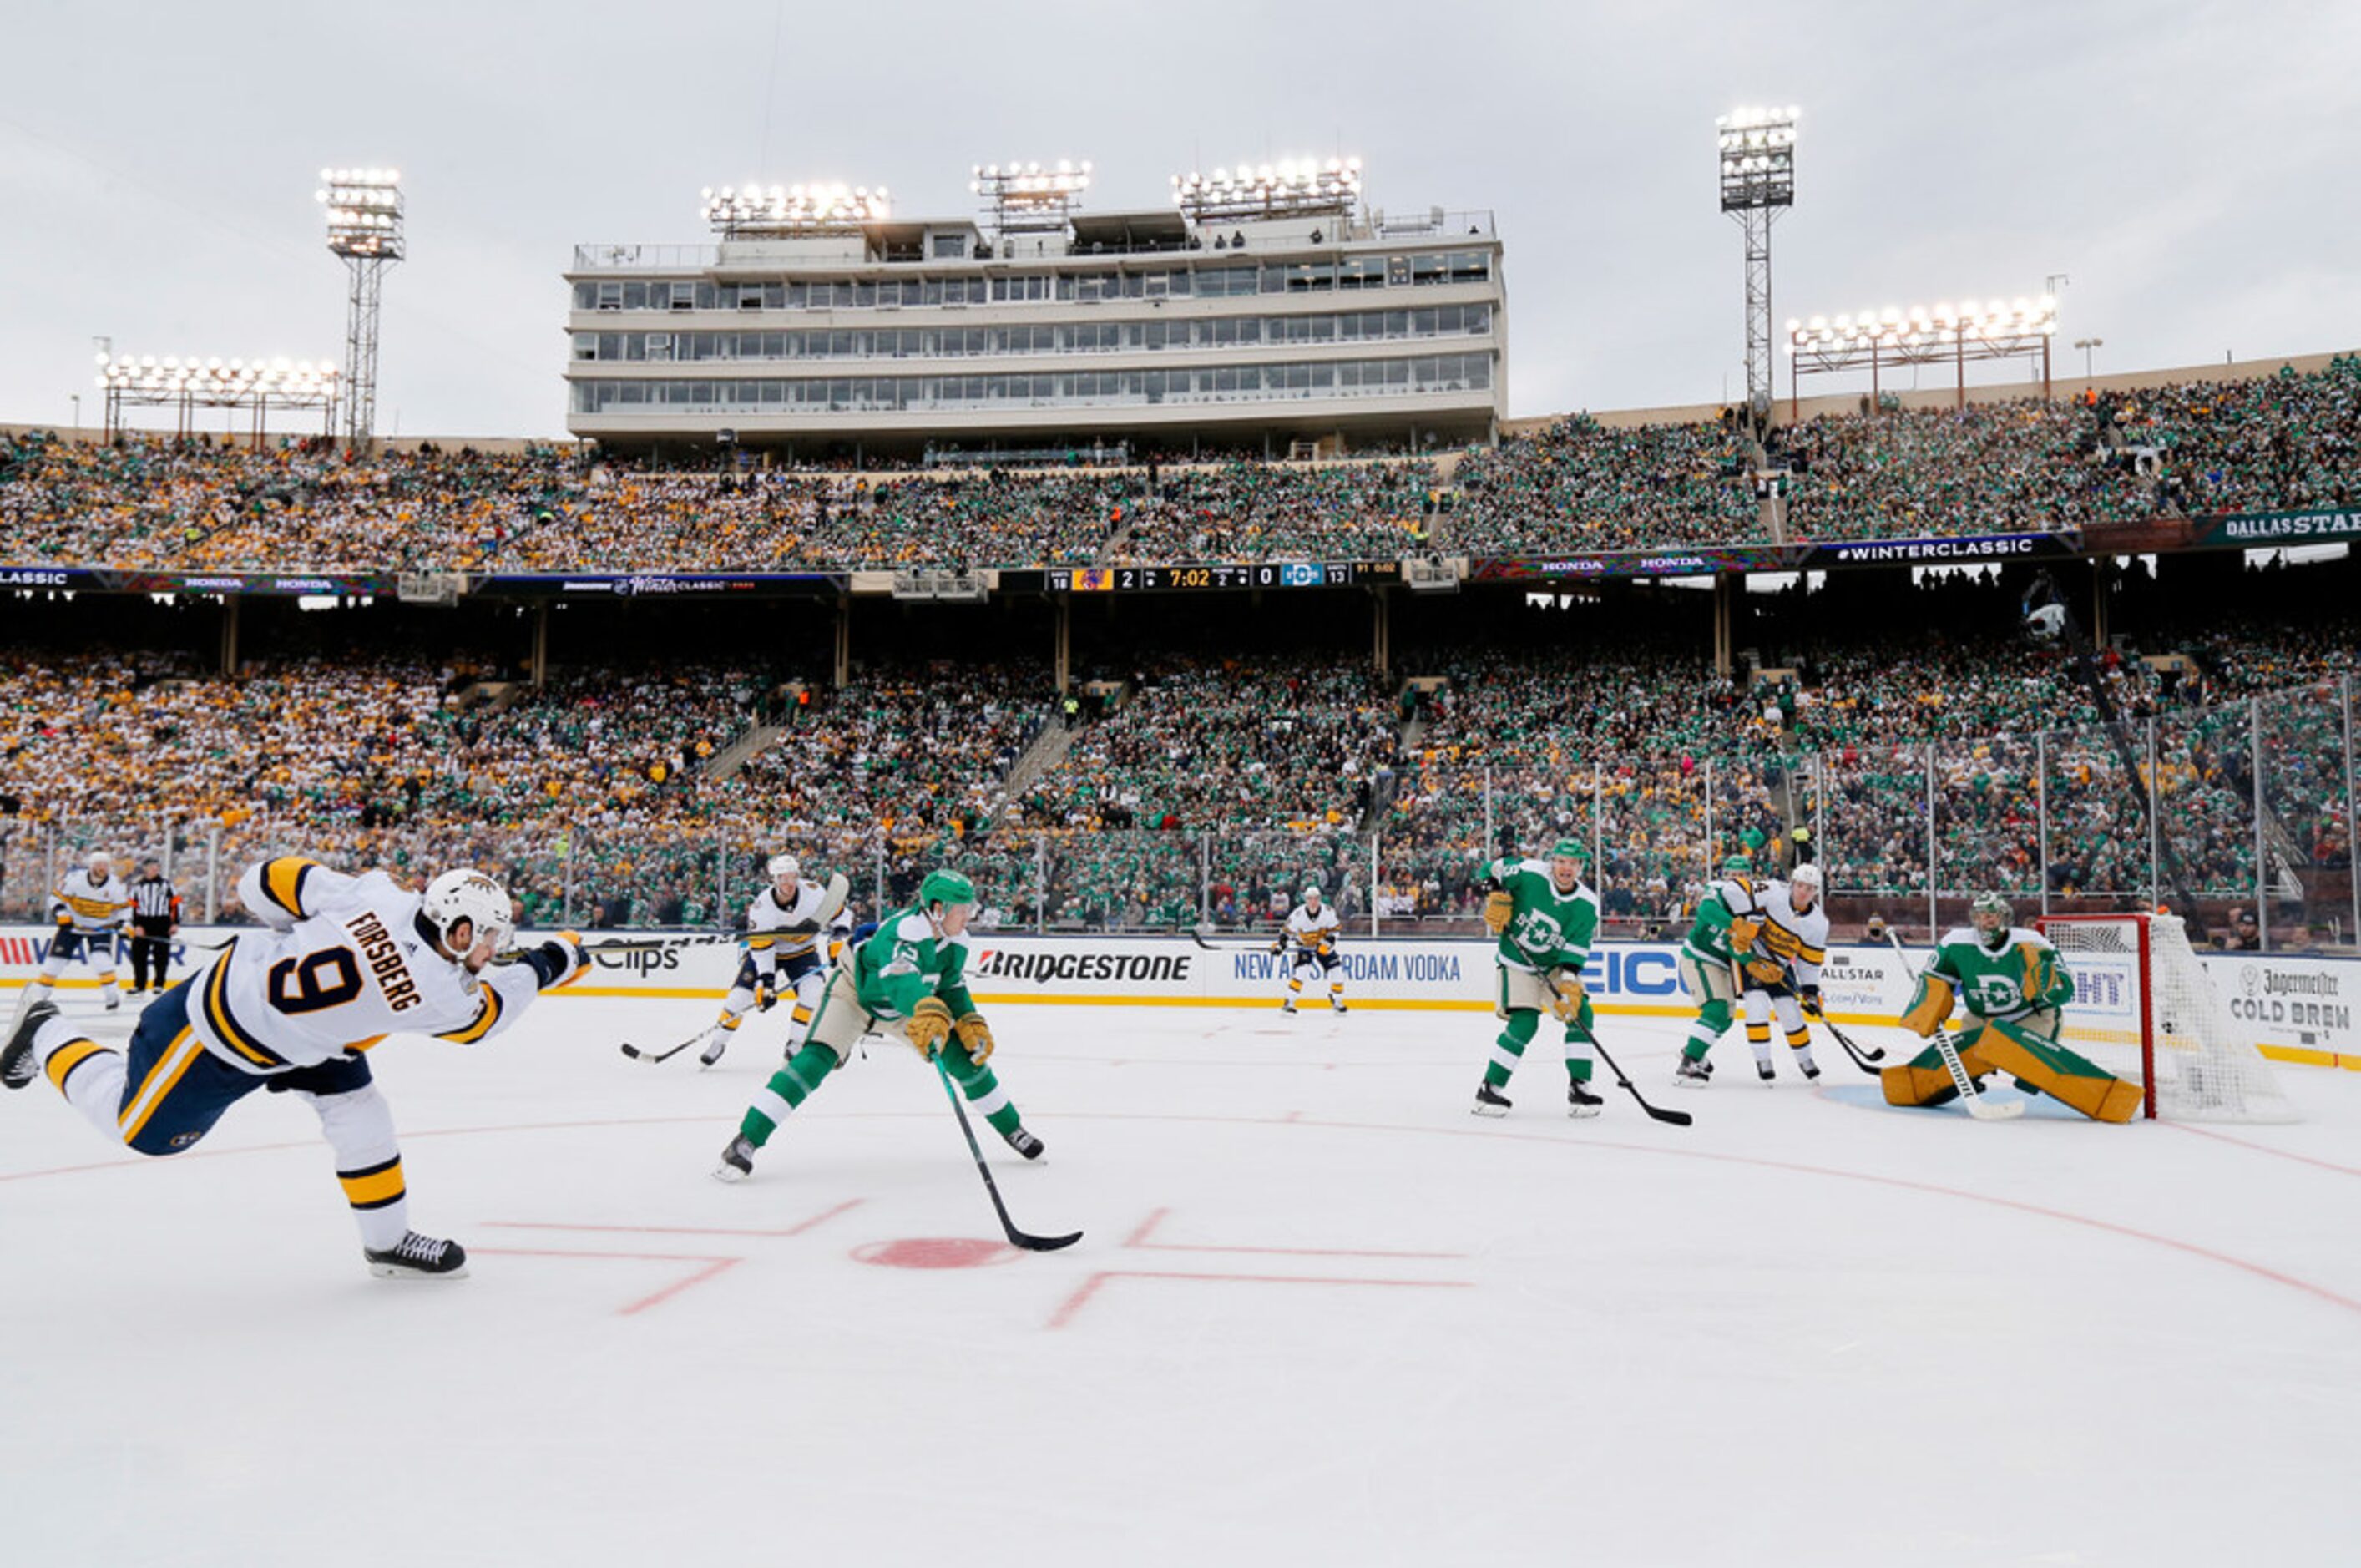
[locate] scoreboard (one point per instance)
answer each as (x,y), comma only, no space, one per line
(1215,576)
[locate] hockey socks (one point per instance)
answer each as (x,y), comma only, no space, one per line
(983,1092)
(789,1087)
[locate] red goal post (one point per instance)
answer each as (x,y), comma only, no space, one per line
(2145,1006)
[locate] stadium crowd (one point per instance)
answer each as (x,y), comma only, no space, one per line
(2285,441)
(1207,786)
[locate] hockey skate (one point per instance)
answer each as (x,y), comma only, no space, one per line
(713,1048)
(1811,1068)
(1337,1003)
(737,1161)
(18,1064)
(1489,1101)
(1580,1101)
(1025,1144)
(1766,1072)
(1288,1006)
(1692,1073)
(419,1257)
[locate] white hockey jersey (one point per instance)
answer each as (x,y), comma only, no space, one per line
(342,965)
(97,905)
(791,930)
(1799,938)
(1306,929)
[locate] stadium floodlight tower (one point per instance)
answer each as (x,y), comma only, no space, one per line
(1947,334)
(364,229)
(1290,188)
(1757,151)
(251,386)
(779,211)
(1025,198)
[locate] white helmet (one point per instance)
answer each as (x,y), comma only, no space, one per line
(472,896)
(1805,875)
(785,867)
(99,865)
(1312,890)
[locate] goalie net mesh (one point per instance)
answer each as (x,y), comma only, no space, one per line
(2143,1009)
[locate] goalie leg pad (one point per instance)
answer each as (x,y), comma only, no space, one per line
(1924,1080)
(2056,1071)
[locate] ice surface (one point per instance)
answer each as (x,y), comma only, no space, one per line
(1322,1315)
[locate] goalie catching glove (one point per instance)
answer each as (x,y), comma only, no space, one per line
(1499,908)
(930,1022)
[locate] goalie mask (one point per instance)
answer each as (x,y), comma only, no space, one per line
(1991,917)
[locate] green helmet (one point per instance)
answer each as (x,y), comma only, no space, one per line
(1738,865)
(945,887)
(1568,849)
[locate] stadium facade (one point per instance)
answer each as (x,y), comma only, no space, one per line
(1351,331)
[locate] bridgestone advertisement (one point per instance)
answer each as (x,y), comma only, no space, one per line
(2295,1008)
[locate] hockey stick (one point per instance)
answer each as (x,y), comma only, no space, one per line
(1675,1118)
(637,1054)
(1982,1109)
(1198,934)
(1863,1059)
(1016,1238)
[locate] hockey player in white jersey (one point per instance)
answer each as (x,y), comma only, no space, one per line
(1309,943)
(793,928)
(1781,968)
(89,906)
(341,963)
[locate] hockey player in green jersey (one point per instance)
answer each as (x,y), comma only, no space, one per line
(1728,919)
(1545,918)
(2015,990)
(909,980)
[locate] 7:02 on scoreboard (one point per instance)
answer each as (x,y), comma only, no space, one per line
(1266,575)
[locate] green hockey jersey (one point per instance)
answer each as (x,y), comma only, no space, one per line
(1550,930)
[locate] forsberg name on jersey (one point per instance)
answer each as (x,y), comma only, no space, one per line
(383,956)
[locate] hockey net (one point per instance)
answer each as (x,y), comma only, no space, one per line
(2145,1009)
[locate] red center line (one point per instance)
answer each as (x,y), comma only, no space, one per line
(713,1267)
(1090,1288)
(1138,1238)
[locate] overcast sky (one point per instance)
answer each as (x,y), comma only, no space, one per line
(2188,165)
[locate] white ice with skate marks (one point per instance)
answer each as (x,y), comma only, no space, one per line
(1322,1314)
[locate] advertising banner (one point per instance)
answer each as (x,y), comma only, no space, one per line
(2295,1008)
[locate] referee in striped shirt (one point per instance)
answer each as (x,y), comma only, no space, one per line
(155,919)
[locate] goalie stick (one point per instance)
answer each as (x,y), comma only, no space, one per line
(1978,1106)
(1016,1238)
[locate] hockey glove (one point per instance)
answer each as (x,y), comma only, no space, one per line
(1567,996)
(976,1035)
(765,996)
(1499,908)
(1811,997)
(1278,946)
(65,918)
(1743,929)
(1765,972)
(930,1020)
